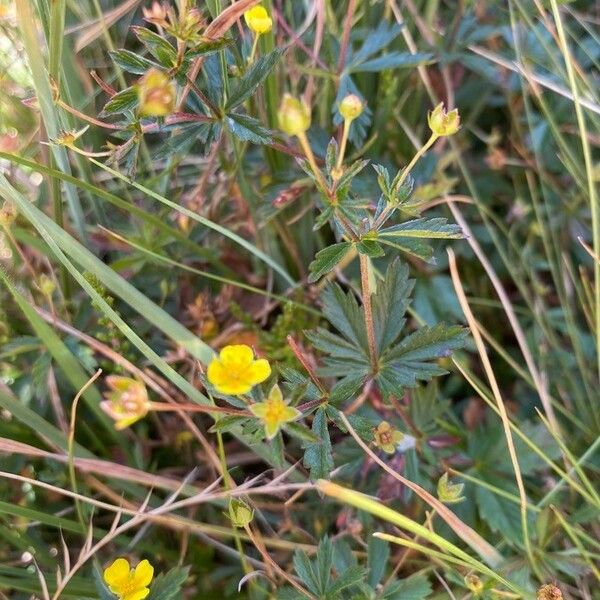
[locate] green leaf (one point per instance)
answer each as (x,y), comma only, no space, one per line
(208,47)
(157,46)
(301,432)
(416,587)
(253,77)
(132,62)
(327,259)
(370,248)
(247,129)
(318,456)
(377,557)
(343,312)
(410,246)
(393,60)
(501,515)
(122,102)
(390,303)
(437,228)
(167,586)
(227,423)
(408,362)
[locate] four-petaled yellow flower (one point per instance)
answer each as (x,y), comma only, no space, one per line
(258,20)
(387,437)
(126,402)
(128,583)
(443,123)
(274,412)
(235,371)
(156,94)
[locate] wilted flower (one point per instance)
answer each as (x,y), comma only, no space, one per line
(68,138)
(127,583)
(126,402)
(274,412)
(443,123)
(8,213)
(235,371)
(156,94)
(387,437)
(258,20)
(549,592)
(474,584)
(157,14)
(293,115)
(351,107)
(448,492)
(240,513)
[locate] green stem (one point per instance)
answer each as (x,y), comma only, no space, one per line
(366,298)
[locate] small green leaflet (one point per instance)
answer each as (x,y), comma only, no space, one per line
(131,62)
(318,456)
(327,259)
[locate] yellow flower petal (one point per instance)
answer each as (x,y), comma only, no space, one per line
(137,595)
(271,428)
(216,373)
(259,409)
(258,371)
(117,572)
(143,574)
(258,19)
(238,354)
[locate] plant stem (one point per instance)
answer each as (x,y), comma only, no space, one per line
(310,157)
(366,298)
(254,47)
(405,173)
(343,143)
(165,407)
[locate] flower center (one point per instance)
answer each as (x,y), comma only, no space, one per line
(274,412)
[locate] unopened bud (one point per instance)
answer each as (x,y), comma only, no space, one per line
(351,107)
(293,115)
(240,513)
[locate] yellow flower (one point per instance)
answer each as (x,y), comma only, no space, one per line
(126,402)
(387,437)
(258,20)
(351,107)
(235,371)
(156,94)
(274,412)
(443,123)
(293,115)
(128,583)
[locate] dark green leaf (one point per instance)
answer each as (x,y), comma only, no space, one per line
(416,587)
(255,75)
(227,423)
(370,248)
(207,47)
(157,46)
(318,456)
(131,62)
(122,101)
(247,129)
(327,259)
(301,432)
(167,586)
(437,228)
(393,60)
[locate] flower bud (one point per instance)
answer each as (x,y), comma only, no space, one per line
(443,123)
(157,14)
(240,513)
(258,20)
(293,115)
(351,107)
(126,402)
(8,213)
(46,285)
(156,94)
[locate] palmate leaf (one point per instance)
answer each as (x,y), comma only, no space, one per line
(255,75)
(411,360)
(247,129)
(401,364)
(167,586)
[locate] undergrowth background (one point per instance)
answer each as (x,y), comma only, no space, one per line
(139,245)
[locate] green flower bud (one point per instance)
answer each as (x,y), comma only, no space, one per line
(449,493)
(240,513)
(443,123)
(351,107)
(293,115)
